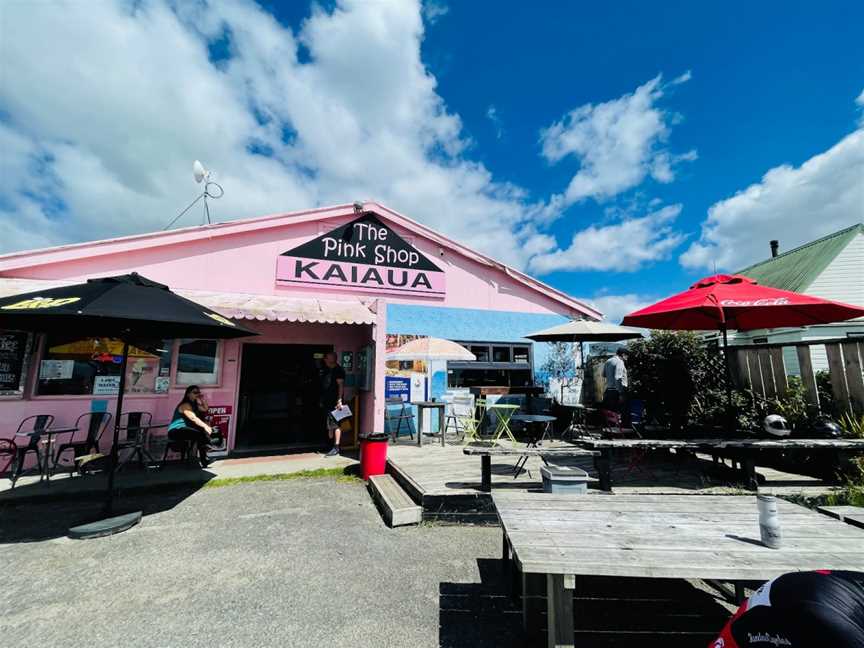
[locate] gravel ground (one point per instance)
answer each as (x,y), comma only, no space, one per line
(298,563)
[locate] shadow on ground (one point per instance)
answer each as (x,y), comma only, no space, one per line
(479,614)
(619,612)
(35,521)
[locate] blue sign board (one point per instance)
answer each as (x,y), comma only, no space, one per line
(397,387)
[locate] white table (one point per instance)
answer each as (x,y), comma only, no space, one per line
(660,536)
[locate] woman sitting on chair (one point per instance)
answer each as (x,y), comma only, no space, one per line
(188,424)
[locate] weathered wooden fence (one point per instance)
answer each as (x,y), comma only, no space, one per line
(764,369)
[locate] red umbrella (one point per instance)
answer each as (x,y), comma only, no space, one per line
(737,302)
(723,302)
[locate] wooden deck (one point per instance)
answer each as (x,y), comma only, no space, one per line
(446,482)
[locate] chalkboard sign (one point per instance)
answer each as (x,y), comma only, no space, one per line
(13,349)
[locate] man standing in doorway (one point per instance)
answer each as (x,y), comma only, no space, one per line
(615,396)
(332,386)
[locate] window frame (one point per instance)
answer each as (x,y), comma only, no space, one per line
(175,364)
(32,386)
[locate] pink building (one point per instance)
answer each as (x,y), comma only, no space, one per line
(338,278)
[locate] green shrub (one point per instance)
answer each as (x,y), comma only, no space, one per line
(665,371)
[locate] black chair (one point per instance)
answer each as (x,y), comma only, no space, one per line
(29,438)
(9,449)
(405,413)
(183,447)
(137,428)
(95,424)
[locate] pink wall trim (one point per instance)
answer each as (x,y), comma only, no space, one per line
(240,256)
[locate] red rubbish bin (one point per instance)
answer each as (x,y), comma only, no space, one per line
(373,455)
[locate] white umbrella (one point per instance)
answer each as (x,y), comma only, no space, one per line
(430,349)
(585,331)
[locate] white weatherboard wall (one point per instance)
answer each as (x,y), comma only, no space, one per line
(843,279)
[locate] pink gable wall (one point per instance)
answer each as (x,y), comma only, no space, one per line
(244,261)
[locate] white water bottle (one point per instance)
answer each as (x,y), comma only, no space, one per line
(769,524)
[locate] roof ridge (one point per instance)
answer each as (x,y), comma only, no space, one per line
(845,230)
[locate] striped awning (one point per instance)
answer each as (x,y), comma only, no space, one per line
(283,309)
(240,306)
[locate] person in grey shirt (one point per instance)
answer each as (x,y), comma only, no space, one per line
(615,374)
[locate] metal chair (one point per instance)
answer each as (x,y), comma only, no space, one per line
(137,427)
(95,423)
(29,439)
(8,448)
(405,413)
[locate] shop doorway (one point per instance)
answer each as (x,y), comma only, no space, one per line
(279,397)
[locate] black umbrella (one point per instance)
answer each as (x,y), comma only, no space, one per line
(129,307)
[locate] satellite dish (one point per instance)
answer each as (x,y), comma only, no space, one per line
(199,171)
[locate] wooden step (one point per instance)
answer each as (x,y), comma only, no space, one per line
(853,515)
(398,509)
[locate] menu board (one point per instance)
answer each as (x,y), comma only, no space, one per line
(13,348)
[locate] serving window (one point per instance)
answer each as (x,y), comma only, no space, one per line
(504,364)
(91,366)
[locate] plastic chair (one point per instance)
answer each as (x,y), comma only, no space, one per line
(405,413)
(461,417)
(95,423)
(29,442)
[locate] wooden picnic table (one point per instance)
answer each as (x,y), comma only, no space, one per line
(486,452)
(745,448)
(563,537)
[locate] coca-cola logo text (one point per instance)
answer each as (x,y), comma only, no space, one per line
(775,301)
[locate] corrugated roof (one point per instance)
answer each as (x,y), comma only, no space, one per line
(796,269)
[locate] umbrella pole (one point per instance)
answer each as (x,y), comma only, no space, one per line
(727,381)
(112,468)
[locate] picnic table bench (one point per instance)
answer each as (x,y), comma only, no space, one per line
(486,452)
(745,448)
(710,537)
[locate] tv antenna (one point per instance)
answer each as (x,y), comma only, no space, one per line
(211,190)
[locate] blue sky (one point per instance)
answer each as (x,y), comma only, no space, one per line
(617,151)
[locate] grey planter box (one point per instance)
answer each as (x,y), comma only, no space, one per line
(570,481)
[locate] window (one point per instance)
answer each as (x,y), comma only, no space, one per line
(500,354)
(521,354)
(198,362)
(14,357)
(91,366)
(482,352)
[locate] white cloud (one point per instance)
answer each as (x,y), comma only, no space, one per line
(792,204)
(615,307)
(434,10)
(860,101)
(106,115)
(618,143)
(492,115)
(624,246)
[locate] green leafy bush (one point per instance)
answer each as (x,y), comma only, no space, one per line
(665,371)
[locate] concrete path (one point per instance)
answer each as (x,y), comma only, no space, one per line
(133,479)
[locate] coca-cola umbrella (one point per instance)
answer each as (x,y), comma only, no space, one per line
(722,302)
(130,308)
